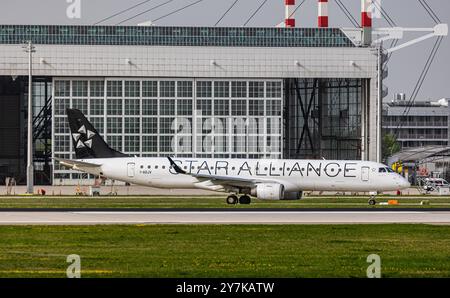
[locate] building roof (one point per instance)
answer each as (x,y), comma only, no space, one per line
(416,155)
(418,108)
(443,102)
(174,36)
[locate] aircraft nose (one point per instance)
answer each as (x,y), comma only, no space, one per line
(405,183)
(401,182)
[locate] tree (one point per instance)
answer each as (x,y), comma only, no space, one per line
(390,145)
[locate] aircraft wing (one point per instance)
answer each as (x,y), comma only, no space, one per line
(222,180)
(74,164)
(230,181)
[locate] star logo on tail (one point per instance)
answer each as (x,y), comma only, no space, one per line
(83,138)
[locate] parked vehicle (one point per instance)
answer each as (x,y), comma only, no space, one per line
(427,185)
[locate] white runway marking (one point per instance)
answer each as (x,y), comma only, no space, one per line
(217,217)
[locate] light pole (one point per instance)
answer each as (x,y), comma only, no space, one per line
(29,48)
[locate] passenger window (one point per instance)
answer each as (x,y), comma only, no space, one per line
(382,170)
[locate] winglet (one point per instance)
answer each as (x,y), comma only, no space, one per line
(175,166)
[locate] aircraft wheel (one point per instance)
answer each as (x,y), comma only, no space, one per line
(232,200)
(372,202)
(245,200)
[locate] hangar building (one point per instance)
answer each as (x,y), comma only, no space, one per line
(189,91)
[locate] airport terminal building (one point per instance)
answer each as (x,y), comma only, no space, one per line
(189,92)
(418,124)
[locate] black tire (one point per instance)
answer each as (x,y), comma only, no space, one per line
(245,200)
(232,200)
(372,202)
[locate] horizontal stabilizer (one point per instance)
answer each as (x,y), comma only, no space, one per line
(73,164)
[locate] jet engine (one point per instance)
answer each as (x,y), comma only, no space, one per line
(268,191)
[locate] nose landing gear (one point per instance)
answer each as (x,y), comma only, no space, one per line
(372,201)
(233,200)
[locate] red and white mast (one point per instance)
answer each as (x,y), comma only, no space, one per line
(289,20)
(366,22)
(366,15)
(323,14)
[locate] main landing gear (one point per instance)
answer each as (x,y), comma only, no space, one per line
(372,201)
(233,200)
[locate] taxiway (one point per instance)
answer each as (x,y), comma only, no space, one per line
(221,217)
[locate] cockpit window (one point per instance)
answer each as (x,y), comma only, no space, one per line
(381,170)
(390,170)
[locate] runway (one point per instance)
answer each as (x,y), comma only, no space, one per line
(221,217)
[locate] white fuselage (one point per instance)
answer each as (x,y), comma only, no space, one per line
(294,175)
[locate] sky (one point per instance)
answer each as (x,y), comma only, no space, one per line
(404,67)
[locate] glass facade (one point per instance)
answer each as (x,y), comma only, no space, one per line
(174,36)
(323,118)
(161,117)
(42,111)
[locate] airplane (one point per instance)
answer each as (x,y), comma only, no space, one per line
(264,179)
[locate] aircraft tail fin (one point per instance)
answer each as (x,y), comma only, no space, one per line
(87,142)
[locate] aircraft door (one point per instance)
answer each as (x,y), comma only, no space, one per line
(365,174)
(131,166)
